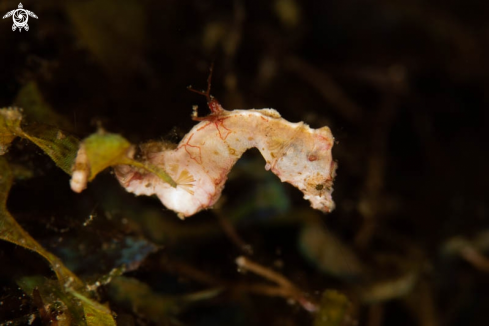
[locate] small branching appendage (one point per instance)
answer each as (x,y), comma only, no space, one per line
(201,162)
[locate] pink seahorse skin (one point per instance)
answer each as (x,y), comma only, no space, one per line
(296,153)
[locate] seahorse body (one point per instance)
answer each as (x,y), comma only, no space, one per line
(201,162)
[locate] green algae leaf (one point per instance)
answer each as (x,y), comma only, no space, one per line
(59,146)
(11,231)
(9,127)
(157,307)
(328,253)
(95,312)
(333,309)
(139,297)
(69,284)
(102,150)
(31,100)
(65,306)
(54,304)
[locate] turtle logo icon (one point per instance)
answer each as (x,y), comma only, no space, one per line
(20,17)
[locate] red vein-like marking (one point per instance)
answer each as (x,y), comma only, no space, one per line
(326,140)
(208,123)
(196,158)
(218,123)
(221,123)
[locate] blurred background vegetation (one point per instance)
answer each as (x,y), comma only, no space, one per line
(402,84)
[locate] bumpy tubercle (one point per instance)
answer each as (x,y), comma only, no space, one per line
(201,162)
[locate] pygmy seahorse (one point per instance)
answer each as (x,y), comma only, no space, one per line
(201,162)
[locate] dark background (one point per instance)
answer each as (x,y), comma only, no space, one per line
(402,84)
